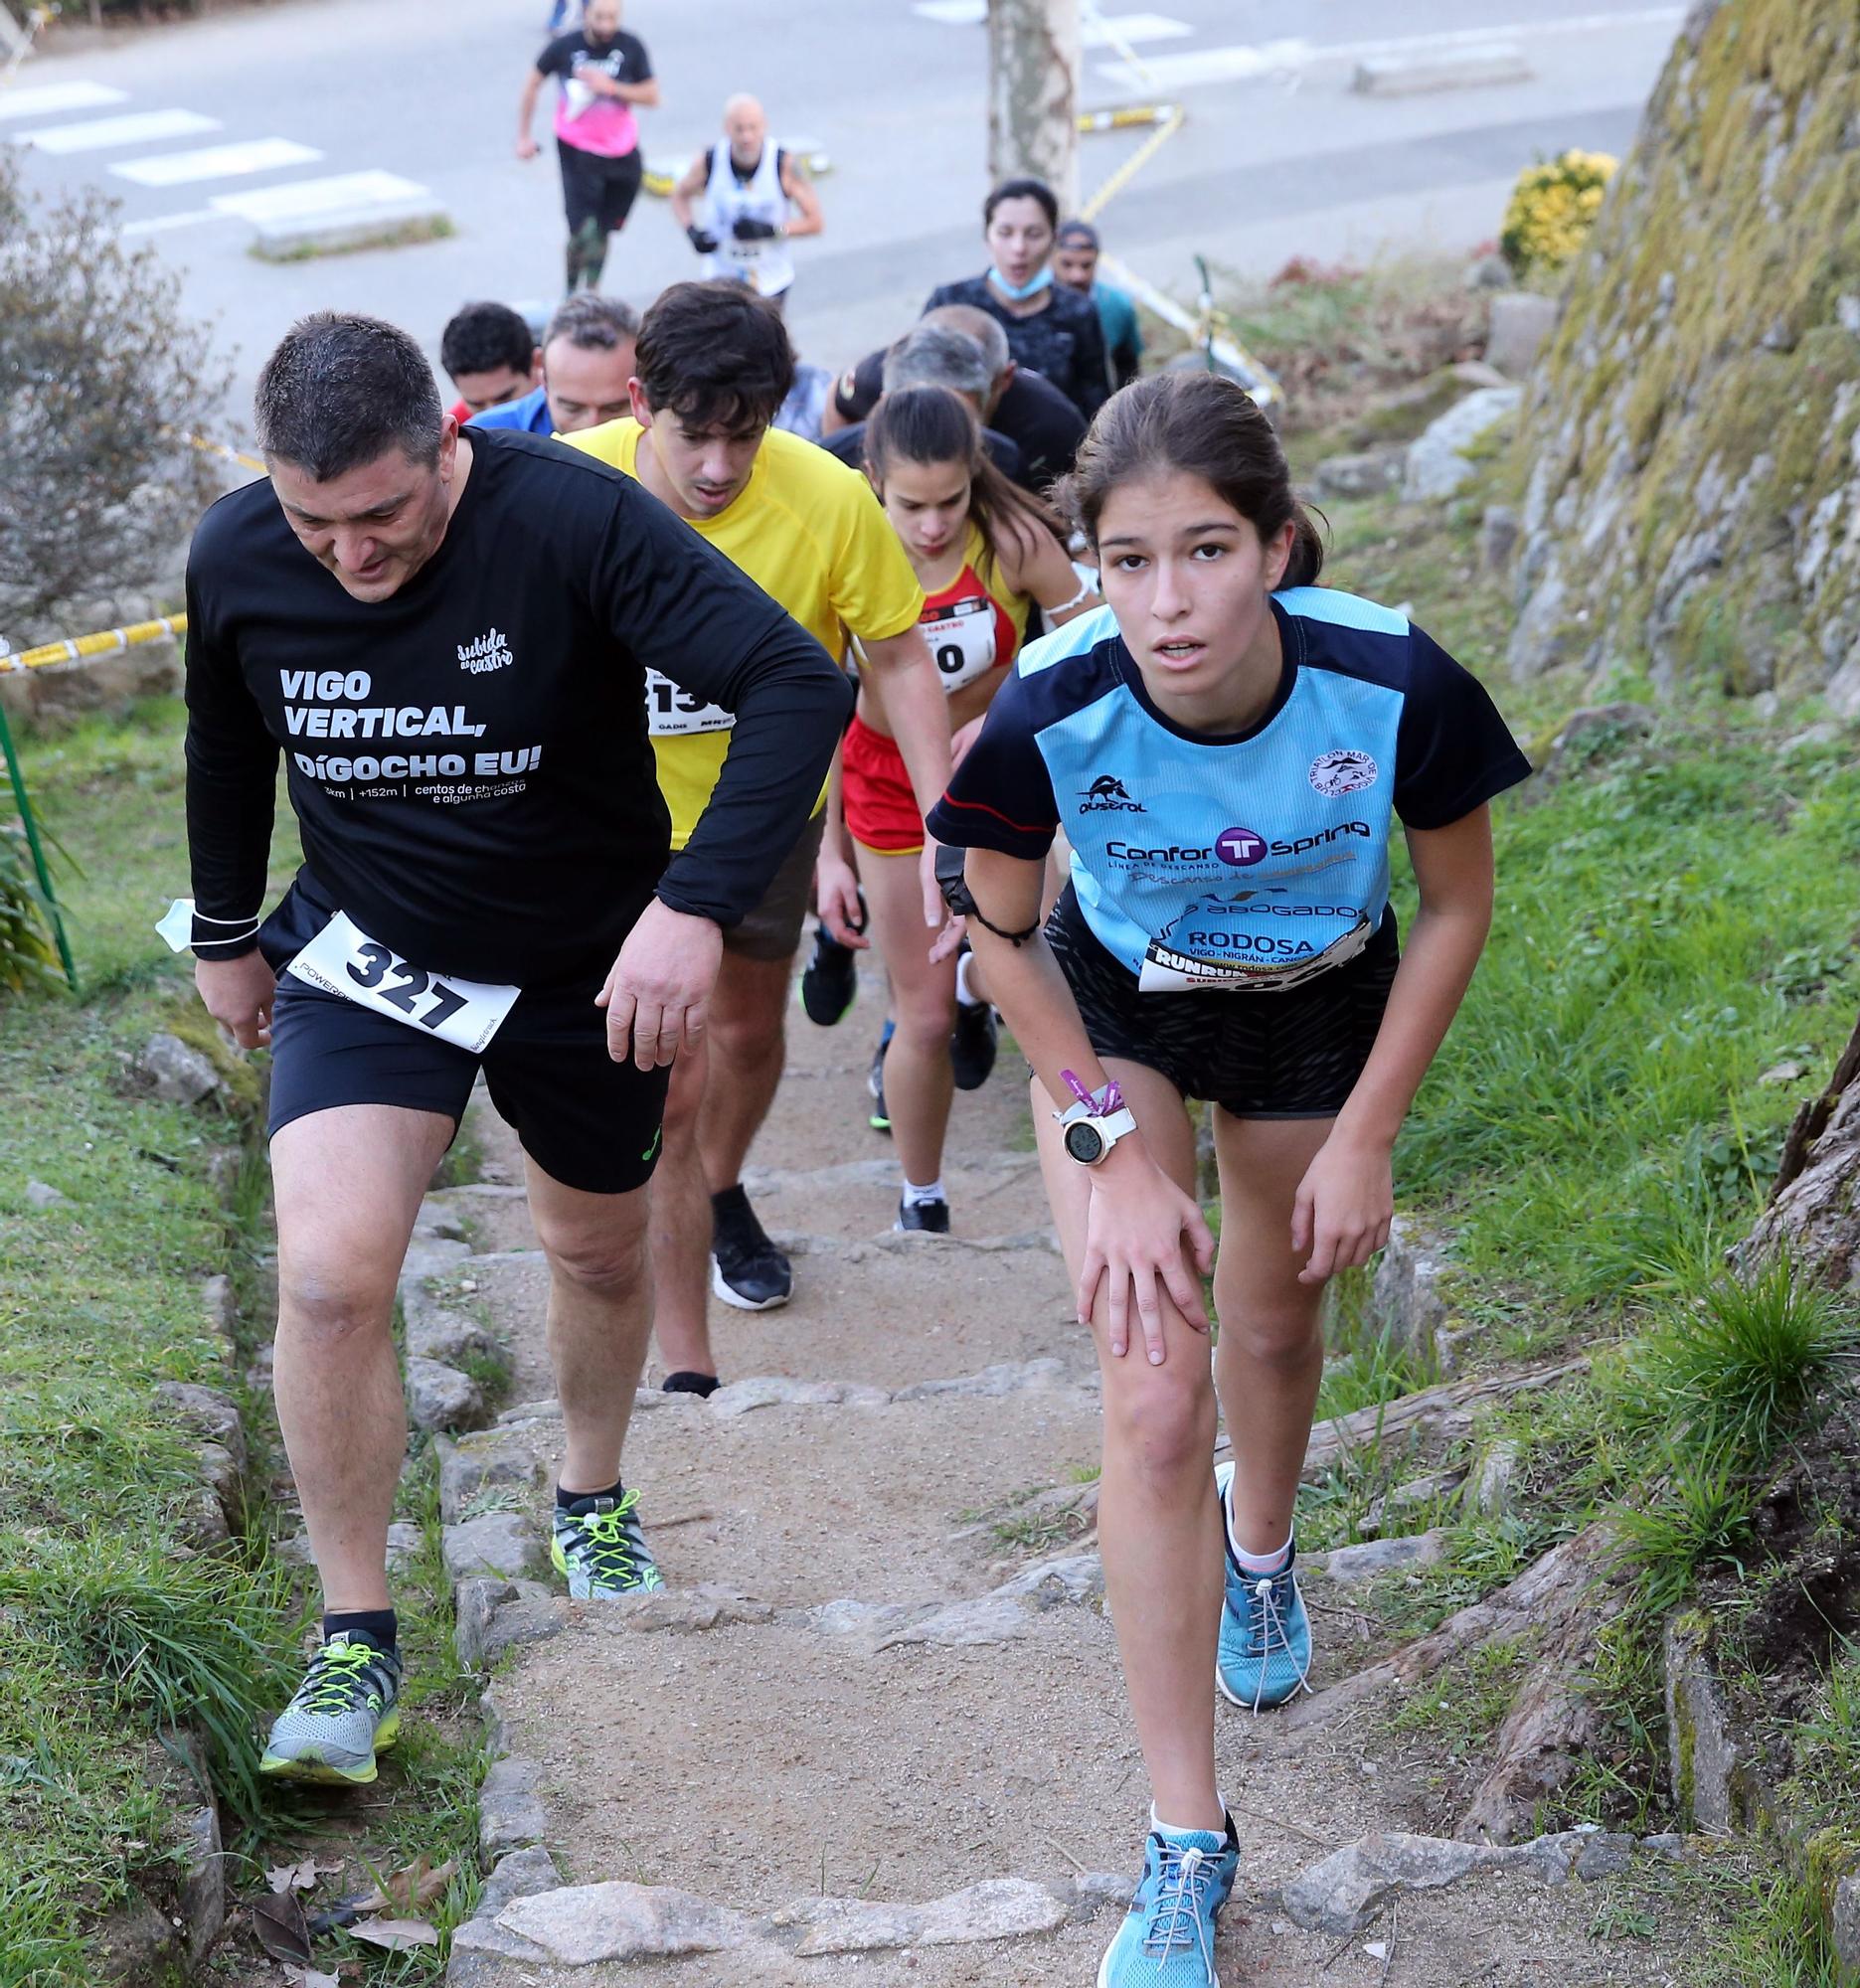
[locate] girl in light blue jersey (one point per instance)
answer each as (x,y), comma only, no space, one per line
(1227,748)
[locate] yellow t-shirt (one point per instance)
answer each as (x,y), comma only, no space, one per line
(809,532)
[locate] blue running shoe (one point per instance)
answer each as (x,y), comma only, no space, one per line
(1265,1633)
(1167,1937)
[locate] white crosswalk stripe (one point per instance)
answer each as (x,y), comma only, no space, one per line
(1248,61)
(104,134)
(218,162)
(302,198)
(1112,31)
(50,100)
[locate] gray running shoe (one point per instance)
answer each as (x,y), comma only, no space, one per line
(602,1551)
(342,1715)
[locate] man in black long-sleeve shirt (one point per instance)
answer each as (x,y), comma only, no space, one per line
(448,637)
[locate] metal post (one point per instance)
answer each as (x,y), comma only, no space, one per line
(39,862)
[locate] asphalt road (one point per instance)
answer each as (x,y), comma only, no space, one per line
(1278,156)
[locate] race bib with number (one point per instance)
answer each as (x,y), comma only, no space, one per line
(342,959)
(962,638)
(672,710)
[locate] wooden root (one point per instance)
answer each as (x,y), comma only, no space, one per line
(1555,1608)
(1442,1411)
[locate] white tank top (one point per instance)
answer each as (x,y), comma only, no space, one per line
(766,267)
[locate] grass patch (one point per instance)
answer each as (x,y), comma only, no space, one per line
(1458,1709)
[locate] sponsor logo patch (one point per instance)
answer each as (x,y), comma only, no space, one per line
(1342,771)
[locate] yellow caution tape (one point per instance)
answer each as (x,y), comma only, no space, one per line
(1126,117)
(1133,165)
(81,648)
(220,449)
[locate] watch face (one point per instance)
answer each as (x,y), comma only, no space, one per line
(1086,1143)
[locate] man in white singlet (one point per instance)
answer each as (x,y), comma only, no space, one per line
(743,202)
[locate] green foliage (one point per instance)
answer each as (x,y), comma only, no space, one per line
(100,377)
(1775,1937)
(1698,1518)
(1738,1368)
(1827,1743)
(28,958)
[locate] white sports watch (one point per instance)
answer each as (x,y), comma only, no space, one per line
(1090,1137)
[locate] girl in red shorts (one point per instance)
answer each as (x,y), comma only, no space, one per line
(984,552)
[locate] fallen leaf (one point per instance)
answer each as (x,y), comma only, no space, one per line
(278,1922)
(418,1884)
(310,1977)
(396,1934)
(294,1877)
(1377,1949)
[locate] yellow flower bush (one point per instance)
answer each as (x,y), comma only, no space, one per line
(1552,209)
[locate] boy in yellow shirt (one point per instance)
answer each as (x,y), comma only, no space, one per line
(714,365)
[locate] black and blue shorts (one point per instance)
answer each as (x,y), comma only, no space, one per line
(588,1122)
(1290,1054)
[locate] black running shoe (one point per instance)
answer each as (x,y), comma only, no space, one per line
(921,1217)
(829,980)
(746,1269)
(879,1120)
(972,1044)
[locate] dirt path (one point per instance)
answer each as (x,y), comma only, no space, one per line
(883,1673)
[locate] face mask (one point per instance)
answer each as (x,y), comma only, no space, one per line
(1042,279)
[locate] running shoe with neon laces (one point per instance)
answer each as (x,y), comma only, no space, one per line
(340,1716)
(972,1044)
(600,1547)
(746,1269)
(879,1118)
(1265,1633)
(830,979)
(1167,1937)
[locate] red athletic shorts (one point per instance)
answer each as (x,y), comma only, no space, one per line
(881,810)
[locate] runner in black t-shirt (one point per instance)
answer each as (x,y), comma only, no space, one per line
(449,636)
(602,74)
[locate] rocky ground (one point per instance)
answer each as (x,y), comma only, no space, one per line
(875,1730)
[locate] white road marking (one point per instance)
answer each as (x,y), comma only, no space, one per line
(218,162)
(1244,63)
(1109,31)
(159,224)
(308,197)
(53,99)
(99,134)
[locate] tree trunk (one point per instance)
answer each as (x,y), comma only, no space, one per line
(1033,93)
(1814,1213)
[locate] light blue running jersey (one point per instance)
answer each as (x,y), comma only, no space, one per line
(1247,863)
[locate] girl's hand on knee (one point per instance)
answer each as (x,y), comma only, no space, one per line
(1344,1204)
(1136,1229)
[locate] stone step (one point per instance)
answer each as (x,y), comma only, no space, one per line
(899,1310)
(799,1505)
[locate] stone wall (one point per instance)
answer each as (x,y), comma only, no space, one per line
(1690,446)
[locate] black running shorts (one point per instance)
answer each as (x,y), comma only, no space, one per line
(596,188)
(588,1122)
(1296,1055)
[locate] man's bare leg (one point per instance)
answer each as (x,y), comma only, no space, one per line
(747,1049)
(681,1226)
(348,1184)
(599,1318)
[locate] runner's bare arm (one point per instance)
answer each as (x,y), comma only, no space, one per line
(807,218)
(1345,1200)
(526,114)
(917,713)
(688,189)
(1033,561)
(1139,1218)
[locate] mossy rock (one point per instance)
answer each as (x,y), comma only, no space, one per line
(1689,439)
